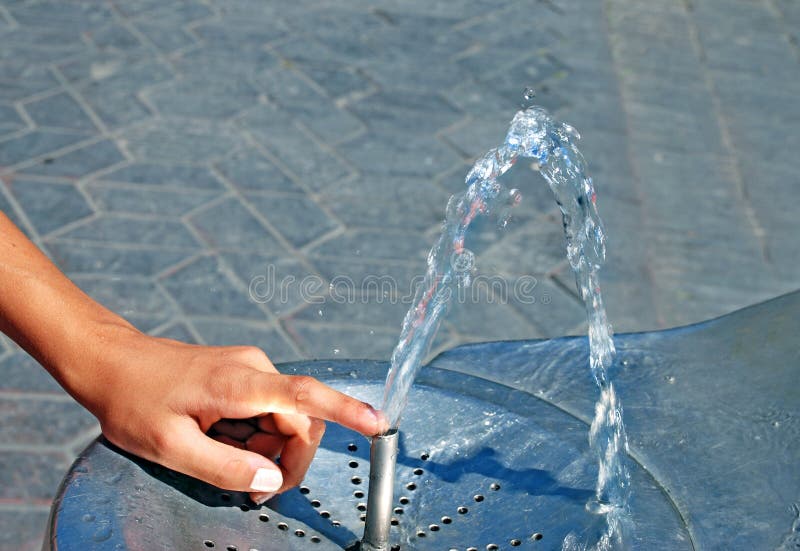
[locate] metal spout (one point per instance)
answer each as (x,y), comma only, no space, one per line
(382,459)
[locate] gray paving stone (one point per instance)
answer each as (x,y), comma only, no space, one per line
(10,211)
(162,202)
(363,273)
(229,225)
(33,144)
(203,98)
(78,257)
(206,288)
(278,281)
(240,33)
(534,249)
(30,477)
(487,315)
(319,341)
(23,530)
(298,219)
(181,140)
(406,112)
(550,309)
(21,79)
(249,170)
(222,332)
(358,306)
(49,206)
(165,36)
(387,201)
(113,229)
(115,38)
(21,373)
(402,155)
(301,154)
(307,105)
(56,14)
(78,162)
(39,421)
(60,111)
(224,61)
(166,176)
(10,121)
(177,13)
(337,80)
(375,244)
(140,302)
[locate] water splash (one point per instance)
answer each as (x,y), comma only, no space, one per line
(533,134)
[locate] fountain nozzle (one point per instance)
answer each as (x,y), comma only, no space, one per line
(382,459)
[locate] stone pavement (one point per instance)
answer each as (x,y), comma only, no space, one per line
(185,162)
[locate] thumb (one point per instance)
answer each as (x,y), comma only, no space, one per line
(197,455)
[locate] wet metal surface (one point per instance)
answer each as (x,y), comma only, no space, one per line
(713,415)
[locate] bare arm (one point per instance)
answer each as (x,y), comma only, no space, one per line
(157,397)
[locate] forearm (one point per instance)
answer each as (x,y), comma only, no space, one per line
(48,315)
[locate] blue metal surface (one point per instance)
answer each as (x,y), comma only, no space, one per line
(713,416)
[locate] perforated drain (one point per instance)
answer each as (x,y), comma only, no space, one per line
(481,467)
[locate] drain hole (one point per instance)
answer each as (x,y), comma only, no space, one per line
(404,500)
(424,456)
(418,471)
(478,498)
(411,486)
(283,526)
(358,494)
(315,503)
(537,536)
(225,497)
(394,521)
(472,549)
(395,548)
(446,520)
(492,547)
(494,486)
(398,510)
(433,527)
(356,480)
(353,464)
(421,534)
(232,548)
(208,543)
(263,517)
(361,507)
(462,510)
(352,447)
(515,543)
(315,539)
(299,533)
(244,508)
(305,490)
(362,518)
(336,523)
(324,514)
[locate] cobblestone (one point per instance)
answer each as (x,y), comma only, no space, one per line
(165,154)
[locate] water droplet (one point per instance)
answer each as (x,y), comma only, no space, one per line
(776,424)
(529,94)
(336,351)
(371,332)
(87,517)
(102,534)
(319,312)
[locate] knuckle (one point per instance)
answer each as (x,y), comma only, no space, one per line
(251,355)
(316,429)
(232,475)
(301,386)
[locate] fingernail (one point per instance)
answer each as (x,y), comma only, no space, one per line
(260,499)
(380,419)
(266,480)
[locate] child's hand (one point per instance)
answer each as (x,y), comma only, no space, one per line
(158,398)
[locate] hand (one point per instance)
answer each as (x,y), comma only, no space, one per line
(157,398)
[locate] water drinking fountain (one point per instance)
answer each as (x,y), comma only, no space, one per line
(492,454)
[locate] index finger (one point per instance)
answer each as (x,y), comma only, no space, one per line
(308,396)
